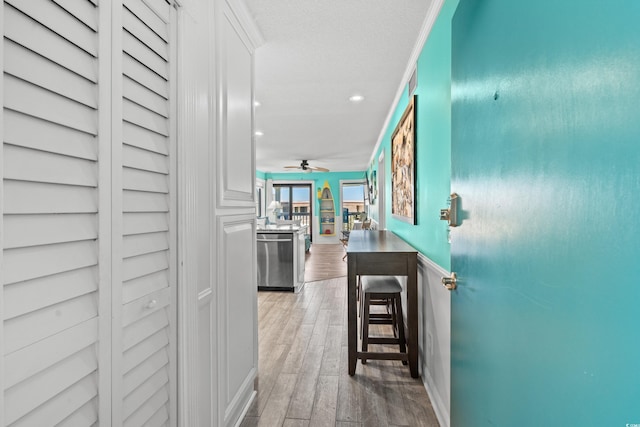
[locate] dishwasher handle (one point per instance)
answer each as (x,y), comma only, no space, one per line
(274,240)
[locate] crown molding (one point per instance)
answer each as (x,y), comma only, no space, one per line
(425,30)
(245,18)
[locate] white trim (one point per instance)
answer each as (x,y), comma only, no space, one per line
(116,214)
(246,409)
(2,346)
(105,278)
(173,216)
(427,25)
(244,17)
(189,231)
(440,407)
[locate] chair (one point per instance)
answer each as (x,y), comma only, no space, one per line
(382,288)
(366,224)
(345,242)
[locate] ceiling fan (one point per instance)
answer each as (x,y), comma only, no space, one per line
(304,166)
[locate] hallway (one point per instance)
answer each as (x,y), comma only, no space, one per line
(303,378)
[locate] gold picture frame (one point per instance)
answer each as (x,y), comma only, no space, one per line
(403,166)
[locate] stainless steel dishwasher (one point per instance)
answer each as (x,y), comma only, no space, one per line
(275,261)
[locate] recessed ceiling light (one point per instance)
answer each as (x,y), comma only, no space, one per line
(356,98)
(258,133)
(256,104)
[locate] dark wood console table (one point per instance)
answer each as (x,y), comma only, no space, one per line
(372,252)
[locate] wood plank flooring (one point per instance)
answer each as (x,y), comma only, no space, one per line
(325,262)
(303,378)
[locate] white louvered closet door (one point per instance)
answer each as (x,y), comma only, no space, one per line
(145,215)
(88,229)
(50,261)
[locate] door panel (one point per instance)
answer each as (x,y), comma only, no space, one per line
(144,353)
(49,231)
(545,159)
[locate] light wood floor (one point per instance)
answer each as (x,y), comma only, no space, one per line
(325,262)
(303,379)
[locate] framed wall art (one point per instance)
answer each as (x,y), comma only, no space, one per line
(403,166)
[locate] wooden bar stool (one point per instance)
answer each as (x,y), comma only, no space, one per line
(382,288)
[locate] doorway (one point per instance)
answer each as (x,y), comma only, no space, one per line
(352,203)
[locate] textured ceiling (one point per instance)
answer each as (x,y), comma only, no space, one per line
(316,55)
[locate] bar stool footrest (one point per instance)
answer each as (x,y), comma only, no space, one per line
(381,340)
(377,355)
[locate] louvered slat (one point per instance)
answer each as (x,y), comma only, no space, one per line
(58,20)
(84,11)
(156,403)
(35,37)
(162,8)
(33,230)
(138,50)
(26,131)
(144,338)
(145,34)
(138,244)
(144,371)
(145,285)
(26,164)
(84,416)
(77,404)
(30,394)
(138,115)
(159,419)
(145,97)
(146,222)
(48,75)
(32,327)
(140,201)
(151,387)
(137,158)
(35,294)
(39,261)
(150,19)
(138,72)
(144,264)
(34,198)
(43,354)
(135,179)
(136,136)
(27,98)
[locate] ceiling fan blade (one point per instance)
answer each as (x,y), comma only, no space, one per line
(318,168)
(292,167)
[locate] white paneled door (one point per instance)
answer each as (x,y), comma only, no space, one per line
(89,212)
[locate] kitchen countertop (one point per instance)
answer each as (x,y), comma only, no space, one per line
(283,228)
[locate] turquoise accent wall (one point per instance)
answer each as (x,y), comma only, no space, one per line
(433,148)
(546,159)
(260,175)
(333,178)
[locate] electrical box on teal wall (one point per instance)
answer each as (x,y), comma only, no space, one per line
(327,211)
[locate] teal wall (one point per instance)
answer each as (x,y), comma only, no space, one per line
(260,175)
(433,149)
(333,178)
